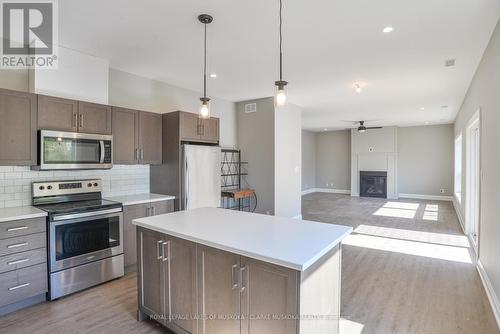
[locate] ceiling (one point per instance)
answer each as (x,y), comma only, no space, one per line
(328,46)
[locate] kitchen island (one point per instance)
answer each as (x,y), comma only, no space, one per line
(221,271)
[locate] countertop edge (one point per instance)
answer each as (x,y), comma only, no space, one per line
(141,201)
(23,216)
(295,266)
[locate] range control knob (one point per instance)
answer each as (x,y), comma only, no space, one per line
(41,187)
(95,184)
(89,185)
(49,187)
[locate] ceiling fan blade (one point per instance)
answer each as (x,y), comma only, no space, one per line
(374,127)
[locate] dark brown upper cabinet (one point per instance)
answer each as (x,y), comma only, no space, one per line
(137,137)
(17,128)
(94,118)
(150,138)
(56,113)
(125,136)
(195,129)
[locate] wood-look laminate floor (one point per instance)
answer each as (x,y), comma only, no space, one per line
(406,269)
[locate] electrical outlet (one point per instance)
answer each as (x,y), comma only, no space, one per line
(371,149)
(441,191)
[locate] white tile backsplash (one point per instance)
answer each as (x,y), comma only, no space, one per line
(15,182)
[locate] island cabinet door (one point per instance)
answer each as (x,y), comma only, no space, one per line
(218,291)
(181,296)
(151,277)
(269,298)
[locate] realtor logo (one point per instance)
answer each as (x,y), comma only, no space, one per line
(29,34)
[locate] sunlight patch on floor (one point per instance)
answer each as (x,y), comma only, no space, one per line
(402,205)
(395,213)
(350,327)
(441,252)
(420,236)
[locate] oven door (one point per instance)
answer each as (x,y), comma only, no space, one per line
(71,150)
(76,239)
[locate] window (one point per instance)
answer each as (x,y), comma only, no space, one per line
(458,168)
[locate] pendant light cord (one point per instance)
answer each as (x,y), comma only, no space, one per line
(281,42)
(205,65)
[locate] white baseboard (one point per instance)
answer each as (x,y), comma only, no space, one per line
(326,190)
(333,191)
(459,215)
(427,197)
(490,292)
(308,191)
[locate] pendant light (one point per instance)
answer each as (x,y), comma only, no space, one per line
(280,94)
(205,101)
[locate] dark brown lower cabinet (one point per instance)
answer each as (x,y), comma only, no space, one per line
(136,211)
(209,291)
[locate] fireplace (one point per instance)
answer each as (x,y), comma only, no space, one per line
(373,184)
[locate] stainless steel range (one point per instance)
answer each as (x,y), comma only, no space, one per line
(85,235)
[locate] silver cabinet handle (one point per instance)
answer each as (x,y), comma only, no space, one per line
(233,276)
(75,120)
(11,263)
(12,229)
(147,212)
(136,154)
(165,257)
(19,286)
(142,154)
(154,211)
(242,274)
(81,120)
(18,245)
(159,250)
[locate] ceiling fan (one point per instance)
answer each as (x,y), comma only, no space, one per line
(362,128)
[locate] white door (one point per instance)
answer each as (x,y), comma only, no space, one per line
(473,180)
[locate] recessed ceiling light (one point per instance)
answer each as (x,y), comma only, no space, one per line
(325,129)
(213,75)
(357,86)
(422,108)
(388,30)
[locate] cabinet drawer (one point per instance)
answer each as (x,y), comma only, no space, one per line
(17,228)
(23,260)
(21,284)
(22,243)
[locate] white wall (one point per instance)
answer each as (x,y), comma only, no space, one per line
(333,160)
(15,182)
(483,93)
(308,160)
(132,91)
(426,152)
(79,76)
(256,142)
(287,161)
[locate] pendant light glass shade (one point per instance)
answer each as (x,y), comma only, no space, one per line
(205,108)
(280,93)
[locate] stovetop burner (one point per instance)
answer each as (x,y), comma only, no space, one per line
(78,206)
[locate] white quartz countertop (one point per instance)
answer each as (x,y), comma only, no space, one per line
(21,212)
(292,243)
(140,198)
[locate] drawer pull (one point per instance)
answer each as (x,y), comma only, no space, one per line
(19,286)
(22,244)
(12,229)
(11,263)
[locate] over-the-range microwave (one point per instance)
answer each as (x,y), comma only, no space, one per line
(72,150)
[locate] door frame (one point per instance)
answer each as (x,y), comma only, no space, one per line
(474,123)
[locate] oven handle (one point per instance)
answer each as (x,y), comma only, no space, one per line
(101,142)
(86,214)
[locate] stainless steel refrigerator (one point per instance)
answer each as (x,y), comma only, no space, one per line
(201,179)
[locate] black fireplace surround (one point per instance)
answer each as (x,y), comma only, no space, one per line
(373,184)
